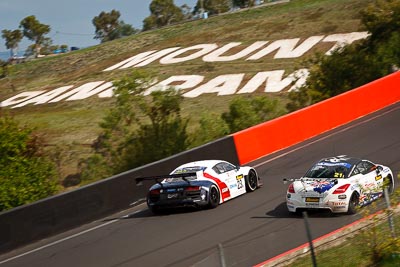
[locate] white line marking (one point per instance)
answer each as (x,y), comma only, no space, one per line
(67,238)
(322,138)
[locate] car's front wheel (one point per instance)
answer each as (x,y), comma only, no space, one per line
(251,181)
(213,199)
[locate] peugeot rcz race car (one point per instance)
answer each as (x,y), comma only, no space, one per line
(205,183)
(340,184)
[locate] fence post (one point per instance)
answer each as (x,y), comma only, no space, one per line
(390,213)
(221,255)
(314,261)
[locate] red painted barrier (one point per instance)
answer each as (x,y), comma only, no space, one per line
(303,124)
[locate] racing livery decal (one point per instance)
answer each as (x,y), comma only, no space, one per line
(223,188)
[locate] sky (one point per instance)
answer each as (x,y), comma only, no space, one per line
(71,20)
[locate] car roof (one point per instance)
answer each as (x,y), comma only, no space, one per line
(203,163)
(340,160)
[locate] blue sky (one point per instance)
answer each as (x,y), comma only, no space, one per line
(71,20)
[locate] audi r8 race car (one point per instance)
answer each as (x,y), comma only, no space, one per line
(205,183)
(340,184)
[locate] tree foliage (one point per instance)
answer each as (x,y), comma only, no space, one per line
(245,112)
(109,27)
(34,31)
(162,13)
(139,128)
(213,6)
(12,38)
(357,64)
(26,175)
(243,3)
(211,127)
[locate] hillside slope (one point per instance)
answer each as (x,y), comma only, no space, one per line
(75,123)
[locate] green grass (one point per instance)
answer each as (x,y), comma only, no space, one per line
(354,251)
(76,122)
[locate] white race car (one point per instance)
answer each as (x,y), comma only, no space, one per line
(340,184)
(205,183)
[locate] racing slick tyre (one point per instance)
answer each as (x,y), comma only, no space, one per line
(213,199)
(353,203)
(251,181)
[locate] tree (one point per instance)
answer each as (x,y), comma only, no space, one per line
(245,112)
(382,20)
(26,175)
(186,12)
(213,7)
(243,3)
(165,134)
(35,31)
(138,129)
(212,127)
(13,38)
(163,13)
(358,63)
(109,27)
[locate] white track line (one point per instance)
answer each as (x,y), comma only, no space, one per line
(322,138)
(65,239)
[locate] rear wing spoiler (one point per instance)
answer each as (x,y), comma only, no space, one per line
(286,180)
(158,179)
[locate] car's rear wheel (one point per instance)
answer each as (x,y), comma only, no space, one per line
(251,181)
(353,203)
(214,197)
(388,182)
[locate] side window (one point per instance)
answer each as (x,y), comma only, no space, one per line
(355,171)
(228,167)
(361,168)
(219,168)
(365,167)
(369,166)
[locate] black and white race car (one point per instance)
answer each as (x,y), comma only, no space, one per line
(340,184)
(205,183)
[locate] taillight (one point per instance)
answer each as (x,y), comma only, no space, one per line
(341,189)
(291,188)
(192,188)
(155,192)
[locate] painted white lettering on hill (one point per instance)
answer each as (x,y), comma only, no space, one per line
(194,85)
(286,48)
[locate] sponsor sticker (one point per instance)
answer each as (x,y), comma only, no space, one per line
(312,199)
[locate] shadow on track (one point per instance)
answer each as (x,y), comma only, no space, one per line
(146,213)
(281,211)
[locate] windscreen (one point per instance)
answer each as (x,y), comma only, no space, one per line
(192,169)
(189,169)
(329,170)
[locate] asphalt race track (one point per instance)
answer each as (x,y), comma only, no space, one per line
(246,231)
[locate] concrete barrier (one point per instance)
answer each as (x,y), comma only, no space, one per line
(53,215)
(306,123)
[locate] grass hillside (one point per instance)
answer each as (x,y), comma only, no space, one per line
(75,123)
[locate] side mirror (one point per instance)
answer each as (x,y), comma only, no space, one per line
(286,180)
(379,169)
